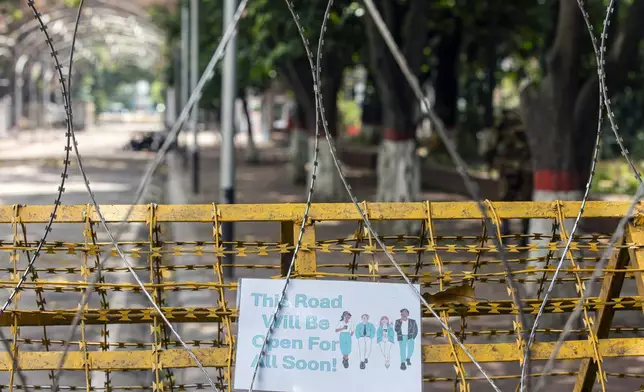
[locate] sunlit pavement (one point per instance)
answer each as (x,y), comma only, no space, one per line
(30,170)
(32,178)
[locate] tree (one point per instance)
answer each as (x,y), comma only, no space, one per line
(560,111)
(250,75)
(398,168)
(279,44)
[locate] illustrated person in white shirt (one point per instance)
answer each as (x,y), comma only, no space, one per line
(365,332)
(385,338)
(406,331)
(345,328)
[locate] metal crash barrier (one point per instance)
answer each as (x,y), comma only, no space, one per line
(121,344)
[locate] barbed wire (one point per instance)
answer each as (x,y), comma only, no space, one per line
(319,116)
(61,187)
(619,232)
(319,108)
(64,176)
(598,51)
(114,241)
(604,91)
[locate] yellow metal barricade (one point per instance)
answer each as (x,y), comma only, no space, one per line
(121,344)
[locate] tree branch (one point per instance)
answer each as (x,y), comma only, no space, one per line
(415,23)
(621,59)
(564,53)
(378,52)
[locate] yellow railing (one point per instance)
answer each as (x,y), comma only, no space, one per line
(189,282)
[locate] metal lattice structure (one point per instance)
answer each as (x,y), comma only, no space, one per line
(121,345)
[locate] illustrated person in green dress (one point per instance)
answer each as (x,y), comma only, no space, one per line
(385,338)
(345,329)
(406,331)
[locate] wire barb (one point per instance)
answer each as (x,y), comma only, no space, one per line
(318,109)
(525,370)
(67,97)
(619,232)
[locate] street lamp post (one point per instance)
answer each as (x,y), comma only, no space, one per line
(185,67)
(227,166)
(194,70)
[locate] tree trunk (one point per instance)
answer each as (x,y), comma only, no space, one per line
(298,148)
(252,155)
(398,169)
(490,85)
(561,119)
(267,113)
(546,111)
(329,187)
(446,83)
(371,113)
(299,78)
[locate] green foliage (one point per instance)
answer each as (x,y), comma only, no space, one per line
(72,3)
(349,112)
(156,92)
(267,40)
(615,177)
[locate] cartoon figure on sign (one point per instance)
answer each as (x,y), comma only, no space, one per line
(345,328)
(385,338)
(365,332)
(406,330)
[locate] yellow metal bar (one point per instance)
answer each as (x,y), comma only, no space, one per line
(90,239)
(154,258)
(101,316)
(635,235)
(319,212)
(611,287)
(117,360)
(593,340)
(306,261)
(519,328)
(458,366)
(224,334)
(14,259)
(510,352)
(218,357)
(83,342)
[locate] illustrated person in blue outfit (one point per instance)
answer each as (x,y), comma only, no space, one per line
(385,338)
(406,331)
(365,332)
(345,328)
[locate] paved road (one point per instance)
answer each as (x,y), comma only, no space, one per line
(35,182)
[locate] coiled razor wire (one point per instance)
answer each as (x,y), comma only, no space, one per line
(604,92)
(111,236)
(208,74)
(598,51)
(619,232)
(460,166)
(61,187)
(64,175)
(314,169)
(194,96)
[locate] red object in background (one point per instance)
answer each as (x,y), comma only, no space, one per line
(555,180)
(353,130)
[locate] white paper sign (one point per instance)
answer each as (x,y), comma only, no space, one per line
(329,335)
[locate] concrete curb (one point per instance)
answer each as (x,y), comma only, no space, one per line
(59,158)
